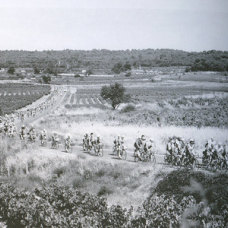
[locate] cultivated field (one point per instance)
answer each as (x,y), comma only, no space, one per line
(16,96)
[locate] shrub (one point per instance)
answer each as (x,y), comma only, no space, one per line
(128,74)
(52,206)
(104,191)
(11,70)
(46,79)
(128,108)
(68,106)
(59,171)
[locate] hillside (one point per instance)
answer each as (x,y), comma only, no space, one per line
(106,60)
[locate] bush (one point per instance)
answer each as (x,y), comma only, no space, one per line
(128,74)
(104,191)
(128,108)
(55,206)
(46,79)
(11,70)
(162,211)
(68,106)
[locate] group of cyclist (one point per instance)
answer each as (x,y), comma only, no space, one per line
(178,151)
(119,149)
(22,115)
(7,126)
(215,155)
(90,142)
(181,153)
(144,149)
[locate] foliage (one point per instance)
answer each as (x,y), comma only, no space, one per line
(104,191)
(1,112)
(56,206)
(46,79)
(128,108)
(209,188)
(11,70)
(89,72)
(36,70)
(213,63)
(119,67)
(119,61)
(128,74)
(176,201)
(115,92)
(162,211)
(183,112)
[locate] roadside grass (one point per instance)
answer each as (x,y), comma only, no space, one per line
(109,129)
(120,182)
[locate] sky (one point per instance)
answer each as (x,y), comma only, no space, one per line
(191,25)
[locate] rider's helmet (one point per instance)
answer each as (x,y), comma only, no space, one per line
(143,137)
(219,144)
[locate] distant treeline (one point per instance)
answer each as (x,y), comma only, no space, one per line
(114,61)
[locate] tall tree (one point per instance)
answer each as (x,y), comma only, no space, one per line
(115,93)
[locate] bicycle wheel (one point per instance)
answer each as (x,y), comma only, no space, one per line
(124,155)
(136,158)
(100,152)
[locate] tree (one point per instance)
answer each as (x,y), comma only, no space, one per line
(115,93)
(46,79)
(89,72)
(36,70)
(11,70)
(127,66)
(117,68)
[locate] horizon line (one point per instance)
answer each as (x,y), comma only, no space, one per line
(100,49)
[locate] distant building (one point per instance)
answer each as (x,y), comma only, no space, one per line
(66,74)
(84,73)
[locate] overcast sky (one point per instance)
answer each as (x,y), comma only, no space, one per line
(192,25)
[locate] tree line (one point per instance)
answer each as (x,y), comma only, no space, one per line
(107,61)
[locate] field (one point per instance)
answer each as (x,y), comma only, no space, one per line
(16,96)
(173,106)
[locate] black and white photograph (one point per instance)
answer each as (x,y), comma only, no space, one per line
(113,113)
